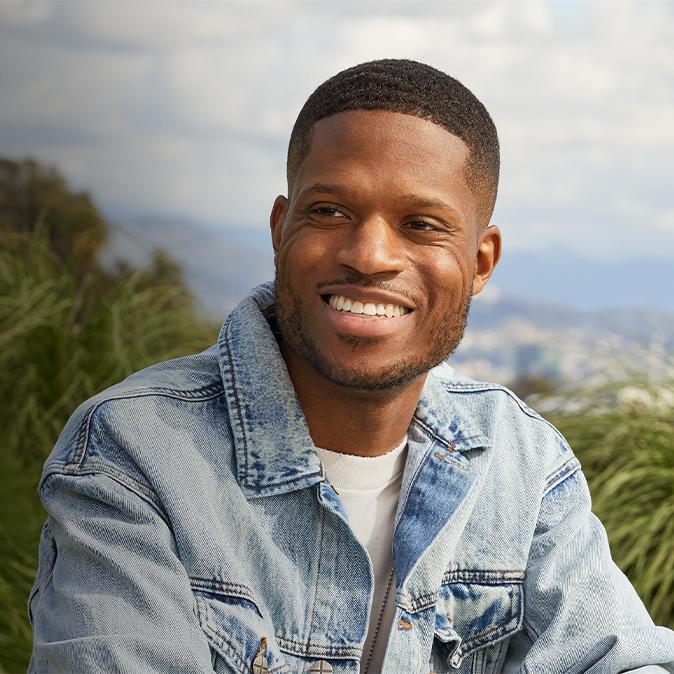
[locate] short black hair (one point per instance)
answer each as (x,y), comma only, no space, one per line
(413,88)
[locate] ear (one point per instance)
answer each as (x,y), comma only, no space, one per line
(488,254)
(276,219)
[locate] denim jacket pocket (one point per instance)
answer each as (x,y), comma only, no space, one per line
(475,614)
(235,629)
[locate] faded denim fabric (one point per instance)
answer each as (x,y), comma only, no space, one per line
(191,529)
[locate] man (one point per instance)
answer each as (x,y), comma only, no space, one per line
(319,492)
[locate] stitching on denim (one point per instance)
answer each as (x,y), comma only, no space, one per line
(449,445)
(565,470)
(83,436)
(221,583)
(404,624)
(524,408)
(318,571)
(126,481)
(415,605)
(480,637)
(280,668)
(216,635)
(238,407)
(478,577)
(308,649)
(214,390)
(444,459)
(508,618)
(281,484)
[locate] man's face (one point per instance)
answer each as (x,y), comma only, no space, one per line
(381,220)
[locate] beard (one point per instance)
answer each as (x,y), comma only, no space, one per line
(445,335)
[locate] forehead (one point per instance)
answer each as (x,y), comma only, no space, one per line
(383,141)
(395,152)
(365,130)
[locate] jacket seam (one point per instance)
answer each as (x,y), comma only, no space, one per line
(568,468)
(449,445)
(83,435)
(307,649)
(474,577)
(216,635)
(318,571)
(478,387)
(126,481)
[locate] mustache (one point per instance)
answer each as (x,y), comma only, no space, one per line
(368,282)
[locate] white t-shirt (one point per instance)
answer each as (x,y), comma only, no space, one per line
(369,488)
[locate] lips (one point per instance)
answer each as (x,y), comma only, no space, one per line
(365,309)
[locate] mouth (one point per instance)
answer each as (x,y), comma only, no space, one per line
(364,309)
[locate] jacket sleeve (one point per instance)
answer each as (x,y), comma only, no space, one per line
(581,612)
(111,593)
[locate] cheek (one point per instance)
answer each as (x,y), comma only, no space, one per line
(446,278)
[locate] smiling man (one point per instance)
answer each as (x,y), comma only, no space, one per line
(320,492)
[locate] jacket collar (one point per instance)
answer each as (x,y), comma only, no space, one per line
(274,451)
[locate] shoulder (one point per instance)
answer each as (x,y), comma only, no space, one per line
(513,429)
(142,414)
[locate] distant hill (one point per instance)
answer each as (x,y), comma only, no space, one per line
(509,337)
(221,266)
(512,338)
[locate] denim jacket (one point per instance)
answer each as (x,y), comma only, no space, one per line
(191,528)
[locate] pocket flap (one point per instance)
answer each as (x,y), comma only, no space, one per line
(472,615)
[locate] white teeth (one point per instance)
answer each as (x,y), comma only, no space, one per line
(341,303)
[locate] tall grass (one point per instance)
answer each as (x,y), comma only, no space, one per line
(63,339)
(628,457)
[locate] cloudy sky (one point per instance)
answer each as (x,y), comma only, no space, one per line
(183,109)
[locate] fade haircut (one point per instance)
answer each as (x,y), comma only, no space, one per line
(413,88)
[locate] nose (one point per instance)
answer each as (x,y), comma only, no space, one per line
(372,246)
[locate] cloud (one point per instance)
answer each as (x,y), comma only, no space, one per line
(185,108)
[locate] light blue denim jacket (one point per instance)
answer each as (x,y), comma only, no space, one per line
(191,528)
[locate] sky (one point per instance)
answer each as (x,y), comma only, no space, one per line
(184,109)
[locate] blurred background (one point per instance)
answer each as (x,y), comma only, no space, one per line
(157,133)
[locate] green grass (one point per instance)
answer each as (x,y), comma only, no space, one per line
(628,457)
(63,338)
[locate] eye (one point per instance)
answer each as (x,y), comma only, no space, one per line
(329,212)
(420,226)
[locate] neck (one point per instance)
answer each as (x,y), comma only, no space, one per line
(365,423)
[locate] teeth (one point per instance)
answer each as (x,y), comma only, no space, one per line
(345,304)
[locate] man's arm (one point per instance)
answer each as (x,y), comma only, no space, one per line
(111,593)
(581,612)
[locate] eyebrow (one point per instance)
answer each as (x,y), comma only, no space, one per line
(328,188)
(410,201)
(423,203)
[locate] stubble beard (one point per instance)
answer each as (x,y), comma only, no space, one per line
(443,340)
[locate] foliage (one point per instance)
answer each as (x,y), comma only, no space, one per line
(68,329)
(35,198)
(628,457)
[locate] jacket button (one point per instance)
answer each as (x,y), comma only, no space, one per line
(260,665)
(320,667)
